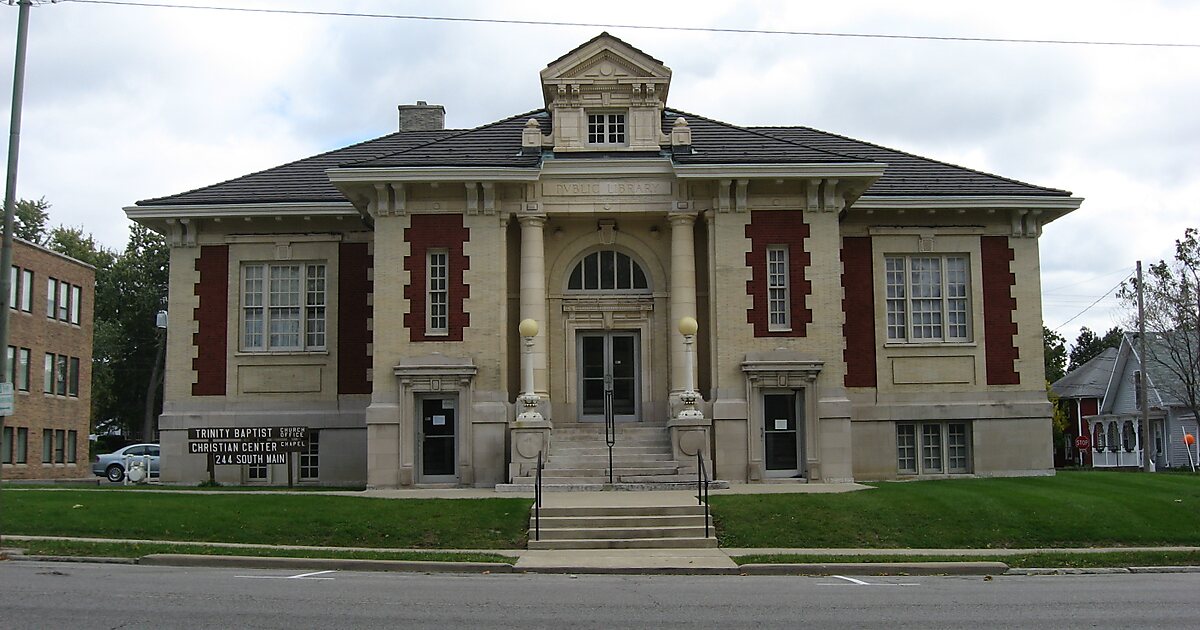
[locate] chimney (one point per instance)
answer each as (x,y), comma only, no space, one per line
(422,117)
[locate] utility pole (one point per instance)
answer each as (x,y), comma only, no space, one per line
(10,191)
(1145,377)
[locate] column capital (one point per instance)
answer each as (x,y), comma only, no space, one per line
(681,218)
(532,220)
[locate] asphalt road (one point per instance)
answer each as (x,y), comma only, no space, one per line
(71,595)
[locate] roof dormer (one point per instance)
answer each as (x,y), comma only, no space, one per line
(606,95)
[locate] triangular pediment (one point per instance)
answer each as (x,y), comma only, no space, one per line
(605,59)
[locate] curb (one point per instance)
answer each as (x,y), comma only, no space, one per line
(1069,571)
(877,568)
(344,564)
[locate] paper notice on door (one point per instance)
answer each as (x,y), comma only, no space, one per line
(448,403)
(781,424)
(439,421)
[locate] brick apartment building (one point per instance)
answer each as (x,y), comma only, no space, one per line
(50,365)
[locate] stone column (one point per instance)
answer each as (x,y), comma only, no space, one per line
(683,293)
(533,296)
(529,433)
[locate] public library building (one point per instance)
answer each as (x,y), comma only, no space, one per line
(855,312)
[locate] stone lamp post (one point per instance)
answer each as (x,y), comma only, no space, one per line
(528,329)
(689,429)
(529,431)
(688,327)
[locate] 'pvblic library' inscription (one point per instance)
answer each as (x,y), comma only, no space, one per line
(600,188)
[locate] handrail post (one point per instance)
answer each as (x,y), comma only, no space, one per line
(702,482)
(537,501)
(610,424)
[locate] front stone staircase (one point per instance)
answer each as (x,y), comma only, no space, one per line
(681,526)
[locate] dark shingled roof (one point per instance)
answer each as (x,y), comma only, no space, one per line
(716,142)
(1089,380)
(300,181)
(909,174)
(498,144)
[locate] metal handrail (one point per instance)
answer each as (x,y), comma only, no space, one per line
(702,482)
(537,500)
(610,425)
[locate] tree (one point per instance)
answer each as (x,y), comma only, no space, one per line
(1088,345)
(127,348)
(1171,295)
(128,351)
(30,220)
(1054,349)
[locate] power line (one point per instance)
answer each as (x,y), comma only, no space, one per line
(1056,328)
(694,29)
(1127,271)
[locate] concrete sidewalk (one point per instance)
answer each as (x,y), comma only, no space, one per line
(622,561)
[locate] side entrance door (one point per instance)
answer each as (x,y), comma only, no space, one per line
(437,437)
(607,360)
(783,437)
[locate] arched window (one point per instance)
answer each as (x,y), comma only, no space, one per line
(607,271)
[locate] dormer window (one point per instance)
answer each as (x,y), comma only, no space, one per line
(606,128)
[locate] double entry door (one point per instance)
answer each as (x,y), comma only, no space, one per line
(607,363)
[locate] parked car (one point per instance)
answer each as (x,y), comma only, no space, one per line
(112,465)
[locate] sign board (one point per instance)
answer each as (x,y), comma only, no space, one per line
(781,424)
(6,399)
(254,446)
(1083,442)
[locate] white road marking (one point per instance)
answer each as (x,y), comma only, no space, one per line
(302,576)
(852,580)
(862,583)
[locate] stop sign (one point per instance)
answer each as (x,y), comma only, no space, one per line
(1083,442)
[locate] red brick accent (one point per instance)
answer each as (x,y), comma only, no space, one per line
(778,227)
(858,304)
(999,331)
(436,231)
(212,317)
(354,285)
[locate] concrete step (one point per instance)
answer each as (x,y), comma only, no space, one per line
(688,509)
(632,543)
(618,521)
(621,533)
(617,472)
(602,451)
(656,459)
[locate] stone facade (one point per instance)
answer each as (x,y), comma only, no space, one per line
(50,334)
(845,330)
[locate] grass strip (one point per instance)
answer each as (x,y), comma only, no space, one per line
(270,519)
(1064,559)
(137,550)
(1070,509)
(105,485)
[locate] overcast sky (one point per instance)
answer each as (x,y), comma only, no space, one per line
(125,103)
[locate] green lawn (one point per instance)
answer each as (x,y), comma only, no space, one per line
(137,550)
(317,520)
(1023,561)
(1086,508)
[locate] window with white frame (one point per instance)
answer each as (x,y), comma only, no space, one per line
(310,457)
(927,298)
(933,448)
(256,472)
(13,286)
(778,301)
(283,306)
(437,291)
(606,128)
(26,290)
(76,297)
